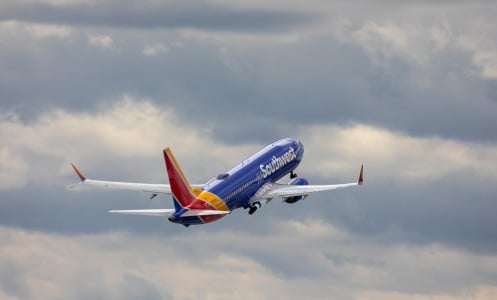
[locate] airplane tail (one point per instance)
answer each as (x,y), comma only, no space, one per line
(181,189)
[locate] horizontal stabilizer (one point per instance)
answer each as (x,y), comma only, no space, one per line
(145,212)
(202,212)
(166,212)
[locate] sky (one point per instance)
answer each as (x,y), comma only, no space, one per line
(409,88)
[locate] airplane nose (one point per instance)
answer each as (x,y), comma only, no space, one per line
(300,146)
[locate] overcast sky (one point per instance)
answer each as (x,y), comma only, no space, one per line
(409,89)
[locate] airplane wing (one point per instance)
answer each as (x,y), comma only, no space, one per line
(143,187)
(285,190)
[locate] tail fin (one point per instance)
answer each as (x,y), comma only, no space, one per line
(181,189)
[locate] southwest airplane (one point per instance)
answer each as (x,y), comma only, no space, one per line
(246,185)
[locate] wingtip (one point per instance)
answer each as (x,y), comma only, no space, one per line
(361,175)
(78,172)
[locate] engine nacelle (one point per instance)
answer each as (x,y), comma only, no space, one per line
(296,181)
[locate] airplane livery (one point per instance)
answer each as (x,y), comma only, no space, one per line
(246,185)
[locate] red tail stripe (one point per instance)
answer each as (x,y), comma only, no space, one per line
(179,186)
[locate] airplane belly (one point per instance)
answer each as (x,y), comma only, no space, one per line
(197,220)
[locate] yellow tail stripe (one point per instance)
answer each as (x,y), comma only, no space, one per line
(213,200)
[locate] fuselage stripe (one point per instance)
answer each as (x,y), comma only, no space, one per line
(213,200)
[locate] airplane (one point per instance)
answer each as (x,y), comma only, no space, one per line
(247,184)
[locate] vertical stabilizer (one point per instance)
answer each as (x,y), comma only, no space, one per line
(181,189)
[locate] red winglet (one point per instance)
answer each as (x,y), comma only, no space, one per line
(81,176)
(361,176)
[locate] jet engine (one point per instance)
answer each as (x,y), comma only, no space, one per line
(296,181)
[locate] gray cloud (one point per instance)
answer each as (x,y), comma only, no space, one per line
(325,260)
(275,87)
(153,15)
(425,190)
(409,92)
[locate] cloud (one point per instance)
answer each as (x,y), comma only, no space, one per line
(48,31)
(153,14)
(420,41)
(59,2)
(101,41)
(13,170)
(154,49)
(448,182)
(137,128)
(484,55)
(53,266)
(475,293)
(266,75)
(384,42)
(406,90)
(37,31)
(131,129)
(395,156)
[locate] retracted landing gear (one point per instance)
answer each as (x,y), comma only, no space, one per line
(253,207)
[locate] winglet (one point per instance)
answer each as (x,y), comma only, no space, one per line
(361,176)
(81,176)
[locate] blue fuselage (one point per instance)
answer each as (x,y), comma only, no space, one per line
(237,185)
